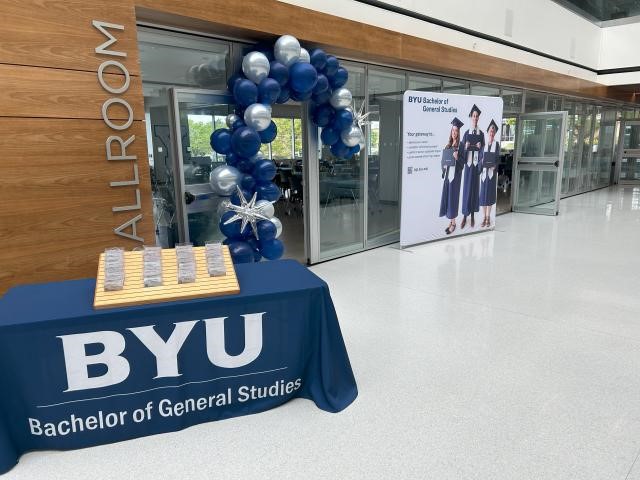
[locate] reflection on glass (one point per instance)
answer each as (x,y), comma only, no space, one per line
(534,102)
(631,137)
(424,83)
(485,90)
(341,187)
(512,101)
(585,159)
(541,137)
(385,154)
(536,190)
(505,167)
(630,169)
(455,86)
(554,103)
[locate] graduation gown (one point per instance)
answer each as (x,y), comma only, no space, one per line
(471,177)
(489,178)
(450,199)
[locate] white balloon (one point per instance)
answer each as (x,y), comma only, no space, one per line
(304,56)
(266,208)
(255,66)
(352,136)
(276,221)
(341,98)
(223,180)
(231,119)
(287,50)
(257,116)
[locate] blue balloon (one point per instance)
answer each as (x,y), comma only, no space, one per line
(279,72)
(303,77)
(241,252)
(301,96)
(231,159)
(271,249)
(339,149)
(256,248)
(264,171)
(268,91)
(329,135)
(331,66)
(322,85)
(221,141)
(245,92)
(323,97)
(355,149)
(339,78)
(269,134)
(269,191)
(244,165)
(285,95)
(343,119)
(245,142)
(239,110)
(238,123)
(231,230)
(266,230)
(318,58)
(248,183)
(231,83)
(235,199)
(323,115)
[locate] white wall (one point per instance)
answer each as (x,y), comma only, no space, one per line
(620,46)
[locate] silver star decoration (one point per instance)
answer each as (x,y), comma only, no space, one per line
(248,212)
(359,117)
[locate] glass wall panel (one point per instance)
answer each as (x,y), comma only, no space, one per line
(554,103)
(512,101)
(585,159)
(573,148)
(485,90)
(385,154)
(424,83)
(455,86)
(534,102)
(606,144)
(341,186)
(595,147)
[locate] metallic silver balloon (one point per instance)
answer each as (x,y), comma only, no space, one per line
(266,208)
(257,116)
(256,157)
(223,180)
(255,66)
(223,206)
(304,56)
(352,136)
(287,50)
(276,221)
(341,98)
(231,119)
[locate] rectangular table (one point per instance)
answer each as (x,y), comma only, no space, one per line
(72,376)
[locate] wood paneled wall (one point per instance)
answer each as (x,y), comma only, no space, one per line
(56,199)
(55,178)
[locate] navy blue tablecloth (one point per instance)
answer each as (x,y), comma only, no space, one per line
(72,376)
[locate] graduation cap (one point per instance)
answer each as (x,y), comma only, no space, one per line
(456,122)
(475,109)
(494,125)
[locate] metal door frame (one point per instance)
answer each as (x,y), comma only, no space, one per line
(176,143)
(539,162)
(622,152)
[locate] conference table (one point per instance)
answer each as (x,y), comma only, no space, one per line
(72,376)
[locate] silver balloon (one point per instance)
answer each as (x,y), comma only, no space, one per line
(352,136)
(276,221)
(223,206)
(304,56)
(341,98)
(266,208)
(231,119)
(287,50)
(255,66)
(223,180)
(256,157)
(257,116)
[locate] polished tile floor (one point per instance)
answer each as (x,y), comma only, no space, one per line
(511,355)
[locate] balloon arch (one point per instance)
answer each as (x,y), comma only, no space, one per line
(275,76)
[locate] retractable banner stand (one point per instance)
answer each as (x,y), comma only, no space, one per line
(451,149)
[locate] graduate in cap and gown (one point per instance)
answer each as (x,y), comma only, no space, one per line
(489,175)
(471,158)
(451,178)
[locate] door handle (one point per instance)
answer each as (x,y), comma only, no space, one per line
(189,198)
(557,163)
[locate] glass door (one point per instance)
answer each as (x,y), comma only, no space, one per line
(538,162)
(629,159)
(195,115)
